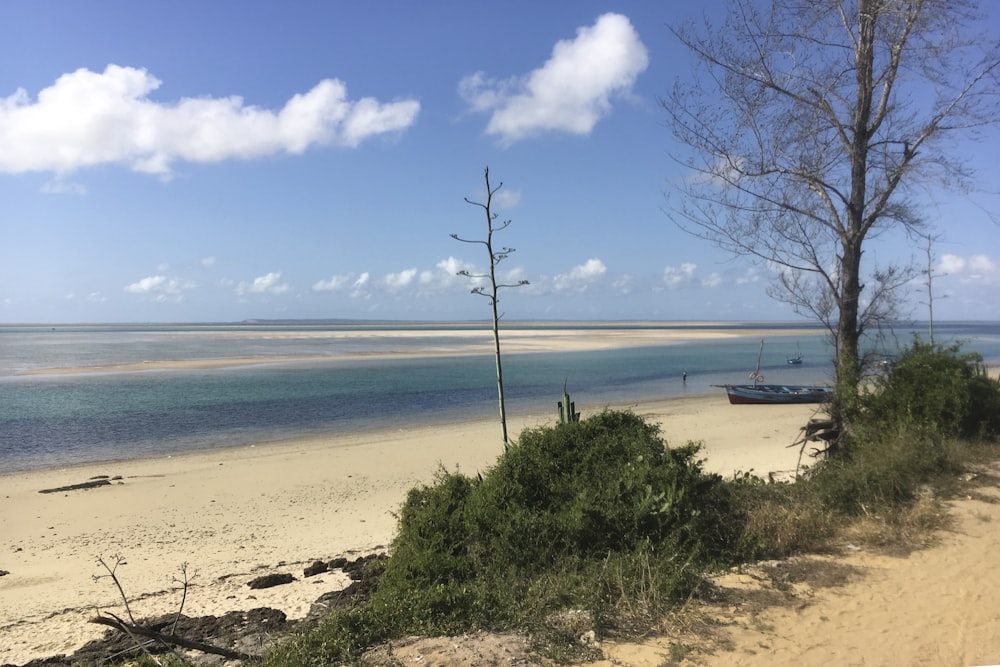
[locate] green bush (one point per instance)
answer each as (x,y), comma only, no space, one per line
(937,388)
(909,429)
(542,529)
(602,517)
(883,469)
(608,484)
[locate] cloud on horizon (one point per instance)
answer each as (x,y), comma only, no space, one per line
(267,284)
(580,277)
(977,269)
(679,276)
(415,283)
(161,288)
(90,118)
(571,92)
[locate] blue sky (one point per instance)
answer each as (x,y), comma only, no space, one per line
(226,160)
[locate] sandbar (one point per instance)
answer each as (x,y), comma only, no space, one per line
(453,342)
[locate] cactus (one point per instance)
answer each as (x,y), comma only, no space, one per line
(567,409)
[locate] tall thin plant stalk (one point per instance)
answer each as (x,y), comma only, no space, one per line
(492,291)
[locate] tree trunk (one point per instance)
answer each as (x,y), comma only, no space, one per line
(848,367)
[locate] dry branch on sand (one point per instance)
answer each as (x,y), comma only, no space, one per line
(136,630)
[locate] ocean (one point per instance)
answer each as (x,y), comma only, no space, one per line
(356,381)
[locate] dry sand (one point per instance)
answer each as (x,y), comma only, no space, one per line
(935,607)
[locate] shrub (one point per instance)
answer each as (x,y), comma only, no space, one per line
(883,469)
(563,507)
(780,519)
(600,521)
(906,434)
(607,484)
(938,388)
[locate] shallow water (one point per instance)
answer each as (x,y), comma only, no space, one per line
(56,420)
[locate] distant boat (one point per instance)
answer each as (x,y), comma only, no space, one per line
(797,359)
(759,393)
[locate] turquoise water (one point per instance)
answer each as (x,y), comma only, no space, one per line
(57,420)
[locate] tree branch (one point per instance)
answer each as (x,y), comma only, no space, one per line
(113,621)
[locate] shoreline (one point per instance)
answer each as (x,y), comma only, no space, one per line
(238,513)
(329,348)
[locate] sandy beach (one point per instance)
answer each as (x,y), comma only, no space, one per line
(235,514)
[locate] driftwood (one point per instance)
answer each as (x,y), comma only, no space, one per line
(82,485)
(133,629)
(816,430)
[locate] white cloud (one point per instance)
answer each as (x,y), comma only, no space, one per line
(625,284)
(161,288)
(448,270)
(750,276)
(712,280)
(571,92)
(359,288)
(674,277)
(977,269)
(580,276)
(146,285)
(267,284)
(398,281)
(506,198)
(88,118)
(451,267)
(207,261)
(951,265)
(334,284)
(513,276)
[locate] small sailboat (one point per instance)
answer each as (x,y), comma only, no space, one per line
(797,359)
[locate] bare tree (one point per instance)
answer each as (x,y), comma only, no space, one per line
(492,290)
(811,125)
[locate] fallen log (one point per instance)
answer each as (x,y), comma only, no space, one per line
(82,485)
